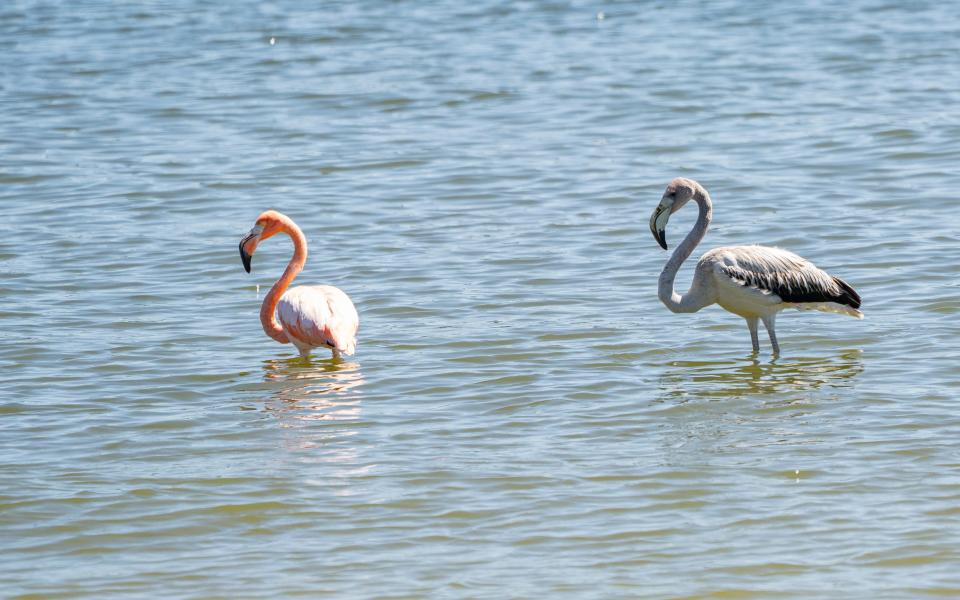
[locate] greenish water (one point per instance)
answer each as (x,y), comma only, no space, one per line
(522,417)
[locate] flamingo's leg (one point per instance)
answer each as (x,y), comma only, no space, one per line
(770,324)
(752,324)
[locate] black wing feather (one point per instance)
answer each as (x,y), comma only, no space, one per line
(794,280)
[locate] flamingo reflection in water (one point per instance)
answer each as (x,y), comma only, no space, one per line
(782,382)
(721,407)
(319,403)
(315,391)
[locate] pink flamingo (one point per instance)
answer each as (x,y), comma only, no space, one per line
(310,316)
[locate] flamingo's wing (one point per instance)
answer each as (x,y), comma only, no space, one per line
(319,315)
(793,278)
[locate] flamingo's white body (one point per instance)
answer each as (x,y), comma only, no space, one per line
(754,282)
(307,316)
(314,316)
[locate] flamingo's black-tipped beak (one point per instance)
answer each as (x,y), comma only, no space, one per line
(248,244)
(661,238)
(658,225)
(244,256)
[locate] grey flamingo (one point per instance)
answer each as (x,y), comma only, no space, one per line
(754,282)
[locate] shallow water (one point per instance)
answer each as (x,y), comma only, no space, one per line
(522,418)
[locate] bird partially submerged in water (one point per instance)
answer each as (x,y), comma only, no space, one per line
(307,316)
(754,282)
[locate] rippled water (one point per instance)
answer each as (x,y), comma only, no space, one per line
(523,418)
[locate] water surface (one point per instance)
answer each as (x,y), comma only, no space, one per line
(522,418)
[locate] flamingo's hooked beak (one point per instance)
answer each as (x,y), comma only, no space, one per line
(658,223)
(248,244)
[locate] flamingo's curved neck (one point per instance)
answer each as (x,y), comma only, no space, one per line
(674,301)
(268,318)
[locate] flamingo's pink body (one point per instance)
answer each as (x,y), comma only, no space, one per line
(307,316)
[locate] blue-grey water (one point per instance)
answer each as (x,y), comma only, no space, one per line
(523,418)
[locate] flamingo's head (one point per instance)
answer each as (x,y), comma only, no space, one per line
(678,193)
(268,224)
